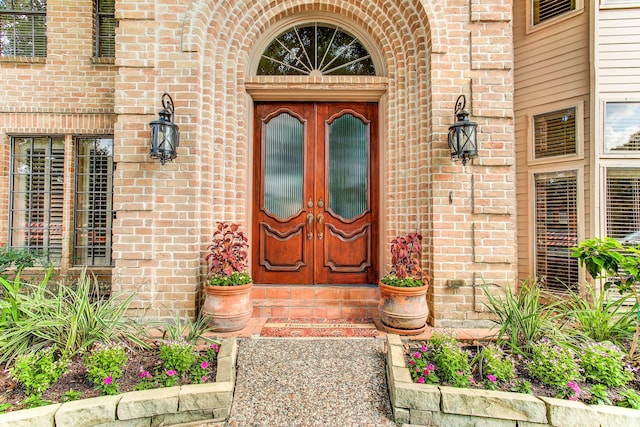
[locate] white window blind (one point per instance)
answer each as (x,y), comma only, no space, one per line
(556,230)
(544,10)
(555,133)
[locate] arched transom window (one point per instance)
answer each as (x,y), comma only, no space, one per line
(316,50)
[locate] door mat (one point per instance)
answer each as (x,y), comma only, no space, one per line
(303,328)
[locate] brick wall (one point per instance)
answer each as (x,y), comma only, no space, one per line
(201,52)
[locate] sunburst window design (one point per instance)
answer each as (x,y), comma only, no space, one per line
(316,50)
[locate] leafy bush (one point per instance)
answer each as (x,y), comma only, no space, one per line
(491,360)
(451,361)
(599,395)
(596,317)
(18,258)
(553,364)
(104,367)
(37,371)
(603,363)
(422,371)
(630,399)
(70,319)
(177,356)
(522,317)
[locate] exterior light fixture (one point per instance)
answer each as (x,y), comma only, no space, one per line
(462,134)
(165,135)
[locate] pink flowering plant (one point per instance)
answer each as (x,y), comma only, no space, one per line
(105,363)
(494,365)
(422,370)
(604,363)
(450,359)
(553,364)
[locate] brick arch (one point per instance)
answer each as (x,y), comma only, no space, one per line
(200,14)
(402,35)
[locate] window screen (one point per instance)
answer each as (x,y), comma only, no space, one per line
(556,229)
(23,28)
(555,133)
(544,10)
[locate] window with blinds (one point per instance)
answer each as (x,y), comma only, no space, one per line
(105,28)
(23,28)
(623,205)
(621,126)
(93,202)
(555,133)
(556,230)
(37,195)
(544,10)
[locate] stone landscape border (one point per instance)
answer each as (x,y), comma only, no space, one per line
(430,405)
(164,406)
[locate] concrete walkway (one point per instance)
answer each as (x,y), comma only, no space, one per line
(299,382)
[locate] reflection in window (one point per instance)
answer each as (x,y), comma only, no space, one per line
(622,126)
(555,133)
(315,50)
(23,28)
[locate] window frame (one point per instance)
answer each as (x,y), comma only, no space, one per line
(531,27)
(97,38)
(32,14)
(619,4)
(579,133)
(70,206)
(108,212)
(567,168)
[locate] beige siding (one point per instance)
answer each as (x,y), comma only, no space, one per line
(618,51)
(551,71)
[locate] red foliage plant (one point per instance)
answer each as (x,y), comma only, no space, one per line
(405,257)
(227,253)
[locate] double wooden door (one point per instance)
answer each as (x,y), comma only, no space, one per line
(315,196)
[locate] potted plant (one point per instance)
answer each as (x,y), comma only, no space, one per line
(228,286)
(403,292)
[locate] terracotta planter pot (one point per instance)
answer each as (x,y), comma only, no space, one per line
(403,310)
(229,306)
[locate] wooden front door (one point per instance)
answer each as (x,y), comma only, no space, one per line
(315,213)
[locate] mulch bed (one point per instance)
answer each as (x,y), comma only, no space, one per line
(76,380)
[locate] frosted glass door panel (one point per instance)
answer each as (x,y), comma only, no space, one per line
(284,164)
(348,166)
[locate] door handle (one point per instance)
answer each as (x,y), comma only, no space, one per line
(320,223)
(309,226)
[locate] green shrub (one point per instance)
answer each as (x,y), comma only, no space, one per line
(104,367)
(452,363)
(598,318)
(552,364)
(599,395)
(38,371)
(603,363)
(177,356)
(629,399)
(491,360)
(422,371)
(69,318)
(522,318)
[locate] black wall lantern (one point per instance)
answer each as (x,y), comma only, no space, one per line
(165,135)
(462,134)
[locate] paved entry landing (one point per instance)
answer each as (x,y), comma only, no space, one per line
(311,382)
(305,328)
